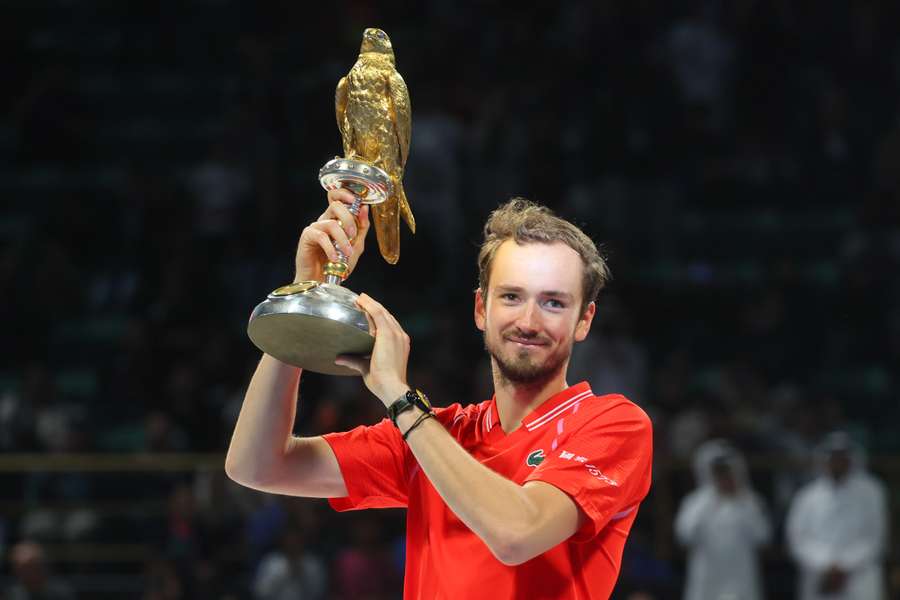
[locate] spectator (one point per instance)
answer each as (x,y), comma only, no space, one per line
(161,581)
(701,57)
(32,578)
(218,186)
(290,573)
(363,569)
(723,524)
(837,527)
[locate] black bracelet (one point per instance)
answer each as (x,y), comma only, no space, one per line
(418,422)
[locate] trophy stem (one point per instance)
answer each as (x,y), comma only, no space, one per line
(336,272)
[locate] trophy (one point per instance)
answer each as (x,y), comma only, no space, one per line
(309,323)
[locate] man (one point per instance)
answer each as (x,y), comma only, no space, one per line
(33,580)
(528,495)
(837,527)
(723,524)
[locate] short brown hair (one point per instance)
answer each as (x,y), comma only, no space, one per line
(527,222)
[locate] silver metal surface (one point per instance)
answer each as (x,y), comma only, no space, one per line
(370,184)
(310,328)
(308,324)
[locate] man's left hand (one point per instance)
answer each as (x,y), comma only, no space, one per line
(385,372)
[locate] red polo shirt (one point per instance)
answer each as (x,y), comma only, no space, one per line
(597,449)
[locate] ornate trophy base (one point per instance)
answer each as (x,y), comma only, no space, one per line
(308,324)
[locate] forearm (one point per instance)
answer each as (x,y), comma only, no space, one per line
(859,553)
(756,524)
(868,545)
(262,434)
(515,522)
(500,512)
(689,521)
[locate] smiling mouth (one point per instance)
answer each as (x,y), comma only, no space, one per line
(526,343)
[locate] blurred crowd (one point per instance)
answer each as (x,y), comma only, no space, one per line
(739,162)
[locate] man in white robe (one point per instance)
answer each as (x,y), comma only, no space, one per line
(723,523)
(837,527)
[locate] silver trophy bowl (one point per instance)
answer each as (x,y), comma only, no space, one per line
(309,323)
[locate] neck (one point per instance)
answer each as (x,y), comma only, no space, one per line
(838,480)
(516,400)
(371,55)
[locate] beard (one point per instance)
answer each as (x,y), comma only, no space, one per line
(519,366)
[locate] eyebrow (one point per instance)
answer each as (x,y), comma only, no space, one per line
(548,293)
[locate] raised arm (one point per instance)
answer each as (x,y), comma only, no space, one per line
(263,453)
(690,519)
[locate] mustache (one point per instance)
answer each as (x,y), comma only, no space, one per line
(531,337)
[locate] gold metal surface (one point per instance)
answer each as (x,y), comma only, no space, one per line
(341,269)
(295,288)
(373,115)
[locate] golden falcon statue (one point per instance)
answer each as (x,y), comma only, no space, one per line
(373,114)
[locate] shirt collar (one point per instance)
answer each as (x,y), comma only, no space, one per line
(552,408)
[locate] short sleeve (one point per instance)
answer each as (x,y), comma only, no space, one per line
(604,465)
(373,461)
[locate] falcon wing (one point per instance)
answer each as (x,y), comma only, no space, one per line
(399,97)
(340,107)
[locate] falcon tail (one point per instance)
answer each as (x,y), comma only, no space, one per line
(387,223)
(387,229)
(405,210)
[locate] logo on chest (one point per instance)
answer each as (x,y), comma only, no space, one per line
(535,458)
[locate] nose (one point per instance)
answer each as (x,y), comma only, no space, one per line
(527,322)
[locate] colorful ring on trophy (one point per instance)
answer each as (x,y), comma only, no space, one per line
(369,183)
(336,268)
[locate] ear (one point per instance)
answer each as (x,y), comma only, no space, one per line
(584,324)
(480,316)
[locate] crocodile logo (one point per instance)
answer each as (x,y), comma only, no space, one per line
(535,458)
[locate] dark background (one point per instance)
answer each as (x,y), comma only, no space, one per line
(739,162)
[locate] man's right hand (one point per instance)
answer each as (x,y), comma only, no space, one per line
(336,224)
(833,580)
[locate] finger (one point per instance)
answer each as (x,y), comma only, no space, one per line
(380,315)
(384,321)
(397,324)
(320,238)
(370,306)
(333,229)
(362,229)
(338,196)
(376,308)
(339,211)
(360,364)
(372,329)
(362,221)
(341,195)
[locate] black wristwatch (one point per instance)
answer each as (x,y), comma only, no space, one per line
(405,402)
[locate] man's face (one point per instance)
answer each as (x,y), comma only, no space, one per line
(531,312)
(723,478)
(838,464)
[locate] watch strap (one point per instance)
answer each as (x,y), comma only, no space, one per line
(412,398)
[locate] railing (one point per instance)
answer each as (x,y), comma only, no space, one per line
(109,463)
(100,568)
